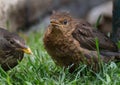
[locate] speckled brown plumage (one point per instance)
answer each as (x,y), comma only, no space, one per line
(71,41)
(12,48)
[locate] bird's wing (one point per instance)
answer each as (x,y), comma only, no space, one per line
(86,34)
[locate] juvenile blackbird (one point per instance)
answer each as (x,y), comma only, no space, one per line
(71,41)
(12,49)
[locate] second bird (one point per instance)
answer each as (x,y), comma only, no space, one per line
(12,49)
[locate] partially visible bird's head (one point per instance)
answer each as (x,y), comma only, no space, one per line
(16,42)
(61,21)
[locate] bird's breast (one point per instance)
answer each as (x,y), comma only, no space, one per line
(60,46)
(63,49)
(9,59)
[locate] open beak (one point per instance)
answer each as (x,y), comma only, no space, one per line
(27,50)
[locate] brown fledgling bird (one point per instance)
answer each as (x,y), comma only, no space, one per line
(71,41)
(12,49)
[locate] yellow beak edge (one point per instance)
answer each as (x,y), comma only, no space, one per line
(27,50)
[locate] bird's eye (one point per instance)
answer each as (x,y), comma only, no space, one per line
(65,22)
(11,42)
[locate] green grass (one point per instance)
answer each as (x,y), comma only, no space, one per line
(41,70)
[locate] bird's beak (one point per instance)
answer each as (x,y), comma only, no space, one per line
(54,22)
(27,50)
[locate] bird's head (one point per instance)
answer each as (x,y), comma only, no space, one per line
(61,22)
(16,42)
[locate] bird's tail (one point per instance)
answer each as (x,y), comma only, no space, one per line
(116,55)
(107,53)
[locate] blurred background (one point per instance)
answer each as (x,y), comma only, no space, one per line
(32,15)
